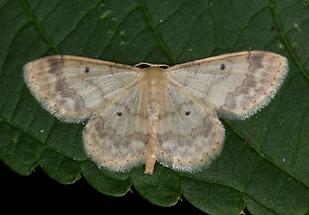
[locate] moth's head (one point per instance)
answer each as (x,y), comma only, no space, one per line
(149,65)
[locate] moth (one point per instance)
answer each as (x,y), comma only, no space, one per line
(149,112)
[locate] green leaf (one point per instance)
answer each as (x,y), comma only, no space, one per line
(162,188)
(59,167)
(264,166)
(216,199)
(113,184)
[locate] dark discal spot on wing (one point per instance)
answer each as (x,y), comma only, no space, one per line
(87,70)
(222,66)
(179,109)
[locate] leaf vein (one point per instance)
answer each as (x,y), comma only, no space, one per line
(190,33)
(266,157)
(286,40)
(157,35)
(38,25)
(247,25)
(230,187)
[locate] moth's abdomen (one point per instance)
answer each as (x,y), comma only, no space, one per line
(154,85)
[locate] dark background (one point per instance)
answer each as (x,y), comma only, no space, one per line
(30,193)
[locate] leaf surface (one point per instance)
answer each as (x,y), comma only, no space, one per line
(265,161)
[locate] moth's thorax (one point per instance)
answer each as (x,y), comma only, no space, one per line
(154,76)
(154,84)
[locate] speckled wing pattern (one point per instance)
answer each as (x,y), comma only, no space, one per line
(237,84)
(233,85)
(75,88)
(188,133)
(117,137)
